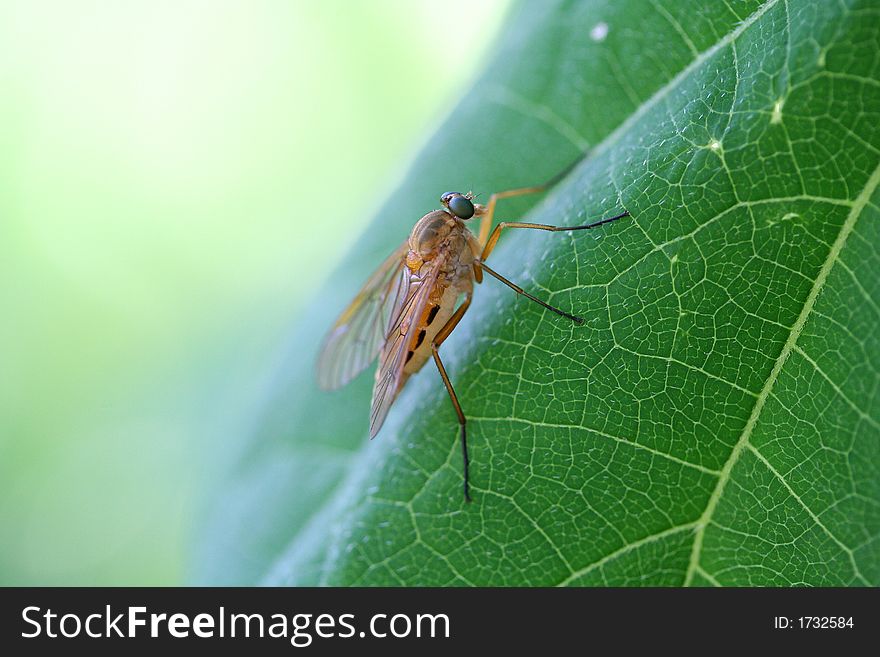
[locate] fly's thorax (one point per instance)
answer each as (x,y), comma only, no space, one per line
(429,233)
(435,232)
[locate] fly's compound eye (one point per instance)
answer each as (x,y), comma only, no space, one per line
(461,206)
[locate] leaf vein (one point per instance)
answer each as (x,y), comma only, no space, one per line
(833,255)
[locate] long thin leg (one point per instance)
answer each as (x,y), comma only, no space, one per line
(486,221)
(442,334)
(516,288)
(493,240)
(462,422)
(453,321)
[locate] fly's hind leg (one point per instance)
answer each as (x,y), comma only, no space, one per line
(442,334)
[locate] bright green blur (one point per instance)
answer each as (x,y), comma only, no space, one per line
(174,179)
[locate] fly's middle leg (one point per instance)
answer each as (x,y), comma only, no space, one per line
(493,240)
(516,288)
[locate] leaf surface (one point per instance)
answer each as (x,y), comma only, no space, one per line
(716,420)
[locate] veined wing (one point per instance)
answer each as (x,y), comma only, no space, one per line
(404,320)
(358,334)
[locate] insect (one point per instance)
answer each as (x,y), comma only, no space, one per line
(413,301)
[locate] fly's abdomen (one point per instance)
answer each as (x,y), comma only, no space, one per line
(437,312)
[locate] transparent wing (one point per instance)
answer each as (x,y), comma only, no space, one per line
(392,357)
(358,334)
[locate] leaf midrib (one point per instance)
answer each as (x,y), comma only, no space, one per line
(795,332)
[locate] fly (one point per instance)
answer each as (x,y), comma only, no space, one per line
(410,304)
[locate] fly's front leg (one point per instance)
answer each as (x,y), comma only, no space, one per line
(442,334)
(486,221)
(493,240)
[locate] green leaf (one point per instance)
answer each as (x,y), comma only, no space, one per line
(716,421)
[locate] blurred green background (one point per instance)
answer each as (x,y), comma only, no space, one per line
(175,178)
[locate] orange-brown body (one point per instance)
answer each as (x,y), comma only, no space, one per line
(412,302)
(441,241)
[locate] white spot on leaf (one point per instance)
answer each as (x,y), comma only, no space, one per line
(776,116)
(599,31)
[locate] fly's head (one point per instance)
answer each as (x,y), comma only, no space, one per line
(458,204)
